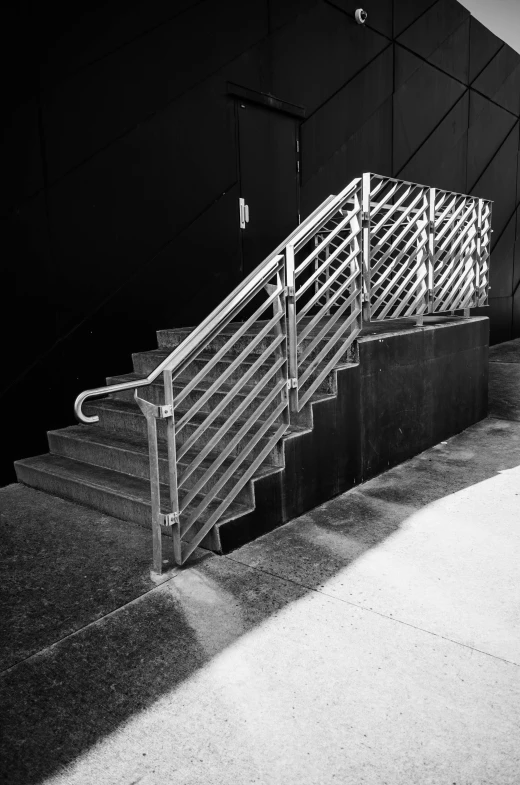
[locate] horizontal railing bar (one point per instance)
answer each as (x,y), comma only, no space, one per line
(236,464)
(326,306)
(252,420)
(441,227)
(237,387)
(228,449)
(219,356)
(378,264)
(323,215)
(314,363)
(330,259)
(393,208)
(453,268)
(403,284)
(378,177)
(320,293)
(309,392)
(327,328)
(180,353)
(406,225)
(382,295)
(233,417)
(323,245)
(457,229)
(188,548)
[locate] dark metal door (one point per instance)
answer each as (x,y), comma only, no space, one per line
(269,179)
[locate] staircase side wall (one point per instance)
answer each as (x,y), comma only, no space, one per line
(411,390)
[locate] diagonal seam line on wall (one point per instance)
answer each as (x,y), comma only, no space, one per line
(488,62)
(100,59)
(466,92)
(345,84)
(502,143)
(501,83)
(434,65)
(466,86)
(414,21)
(100,305)
(345,141)
(157,111)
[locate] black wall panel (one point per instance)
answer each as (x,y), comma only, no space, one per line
(433,28)
(407,11)
(21,161)
(503,260)
(370,148)
(379,13)
(441,160)
(500,79)
(483,47)
(126,203)
(99,104)
(334,122)
(313,58)
(120,171)
(498,182)
(420,104)
(489,125)
(78,34)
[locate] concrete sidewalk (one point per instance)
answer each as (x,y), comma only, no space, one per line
(373,640)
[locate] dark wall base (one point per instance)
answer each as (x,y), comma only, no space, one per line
(412,388)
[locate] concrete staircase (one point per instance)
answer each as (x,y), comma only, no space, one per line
(106,465)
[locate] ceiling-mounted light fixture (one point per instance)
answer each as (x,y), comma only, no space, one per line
(360,16)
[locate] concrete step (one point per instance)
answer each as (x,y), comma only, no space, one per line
(130,455)
(170,339)
(155,394)
(125,418)
(115,493)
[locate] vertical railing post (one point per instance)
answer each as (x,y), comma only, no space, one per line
(172,466)
(356,228)
(279,308)
(365,222)
(292,336)
(151,412)
(431,249)
(478,253)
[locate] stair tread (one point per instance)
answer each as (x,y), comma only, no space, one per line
(179,384)
(130,443)
(110,481)
(129,408)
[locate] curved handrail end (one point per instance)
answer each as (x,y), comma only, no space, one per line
(77,409)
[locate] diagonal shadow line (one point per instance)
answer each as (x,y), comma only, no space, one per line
(86,688)
(466,92)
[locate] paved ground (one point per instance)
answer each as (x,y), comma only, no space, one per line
(374,640)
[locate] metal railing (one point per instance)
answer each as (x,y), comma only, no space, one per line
(381,249)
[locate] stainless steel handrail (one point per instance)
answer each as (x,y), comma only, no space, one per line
(211,324)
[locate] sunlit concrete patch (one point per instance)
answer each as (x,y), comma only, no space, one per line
(321,692)
(451,568)
(434,542)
